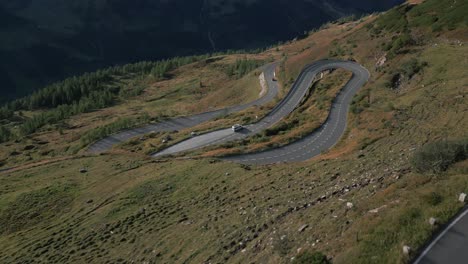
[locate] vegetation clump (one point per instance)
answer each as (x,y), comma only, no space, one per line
(242,67)
(5,134)
(311,258)
(406,71)
(437,157)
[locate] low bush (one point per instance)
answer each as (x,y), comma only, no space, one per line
(311,258)
(433,198)
(412,67)
(5,134)
(283,126)
(436,157)
(242,67)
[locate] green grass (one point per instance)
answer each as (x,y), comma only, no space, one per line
(439,15)
(35,207)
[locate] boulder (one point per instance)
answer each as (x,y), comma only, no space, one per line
(406,250)
(302,228)
(349,205)
(462,197)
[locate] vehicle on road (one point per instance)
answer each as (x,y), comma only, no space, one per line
(237,128)
(193,134)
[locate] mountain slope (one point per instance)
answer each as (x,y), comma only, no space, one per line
(360,202)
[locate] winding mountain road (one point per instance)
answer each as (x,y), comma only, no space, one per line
(180,123)
(310,146)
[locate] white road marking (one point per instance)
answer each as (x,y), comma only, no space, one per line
(424,253)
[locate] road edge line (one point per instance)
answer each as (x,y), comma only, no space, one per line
(428,248)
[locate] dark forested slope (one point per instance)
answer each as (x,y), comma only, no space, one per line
(45,41)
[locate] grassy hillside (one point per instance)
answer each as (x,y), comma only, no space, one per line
(123,207)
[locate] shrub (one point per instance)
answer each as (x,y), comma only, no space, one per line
(5,134)
(436,157)
(242,67)
(311,258)
(283,126)
(5,113)
(433,198)
(282,246)
(412,67)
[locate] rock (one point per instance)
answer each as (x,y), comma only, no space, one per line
(89,201)
(302,228)
(433,221)
(83,170)
(462,197)
(349,205)
(406,250)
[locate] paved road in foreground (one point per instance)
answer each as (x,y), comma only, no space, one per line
(450,246)
(180,123)
(322,139)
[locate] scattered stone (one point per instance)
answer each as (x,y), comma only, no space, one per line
(349,205)
(89,201)
(462,197)
(406,250)
(433,221)
(381,61)
(376,210)
(227,174)
(302,228)
(83,170)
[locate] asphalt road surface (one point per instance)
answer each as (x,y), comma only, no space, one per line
(180,123)
(314,144)
(450,246)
